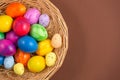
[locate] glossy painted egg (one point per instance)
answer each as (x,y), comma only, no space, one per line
(7,48)
(56,41)
(36,64)
(44,20)
(8,62)
(44,47)
(12,37)
(15,9)
(21,26)
(5,23)
(22,57)
(2,36)
(1,60)
(32,15)
(19,69)
(27,44)
(50,59)
(38,32)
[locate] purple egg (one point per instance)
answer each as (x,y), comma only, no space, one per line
(44,20)
(32,15)
(7,48)
(12,37)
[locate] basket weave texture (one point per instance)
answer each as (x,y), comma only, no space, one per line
(57,25)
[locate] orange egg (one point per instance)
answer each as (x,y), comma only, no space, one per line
(15,9)
(22,57)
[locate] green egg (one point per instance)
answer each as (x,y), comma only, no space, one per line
(2,36)
(38,32)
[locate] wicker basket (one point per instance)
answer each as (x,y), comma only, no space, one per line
(57,25)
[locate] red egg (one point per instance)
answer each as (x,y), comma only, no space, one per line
(21,26)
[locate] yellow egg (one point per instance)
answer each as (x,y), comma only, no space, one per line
(5,23)
(19,68)
(44,47)
(36,64)
(50,59)
(56,41)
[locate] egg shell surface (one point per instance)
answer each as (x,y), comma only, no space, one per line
(21,26)
(32,15)
(27,44)
(7,48)
(5,23)
(8,62)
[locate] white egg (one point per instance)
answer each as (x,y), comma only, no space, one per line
(9,62)
(56,41)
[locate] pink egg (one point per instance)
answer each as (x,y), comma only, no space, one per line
(32,15)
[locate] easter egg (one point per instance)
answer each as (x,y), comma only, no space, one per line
(1,60)
(8,62)
(15,9)
(19,69)
(36,64)
(27,44)
(5,23)
(2,36)
(12,37)
(44,20)
(50,59)
(7,48)
(32,15)
(38,32)
(21,26)
(44,47)
(22,57)
(56,41)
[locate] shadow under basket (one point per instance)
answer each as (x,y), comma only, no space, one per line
(57,25)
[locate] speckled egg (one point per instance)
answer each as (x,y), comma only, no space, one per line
(32,15)
(8,62)
(50,59)
(19,69)
(56,41)
(44,20)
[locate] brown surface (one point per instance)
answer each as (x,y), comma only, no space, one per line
(94,36)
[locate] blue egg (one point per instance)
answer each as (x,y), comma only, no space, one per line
(1,60)
(9,62)
(27,44)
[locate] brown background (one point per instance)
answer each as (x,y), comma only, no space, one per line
(94,40)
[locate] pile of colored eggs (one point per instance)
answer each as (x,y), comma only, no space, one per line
(24,41)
